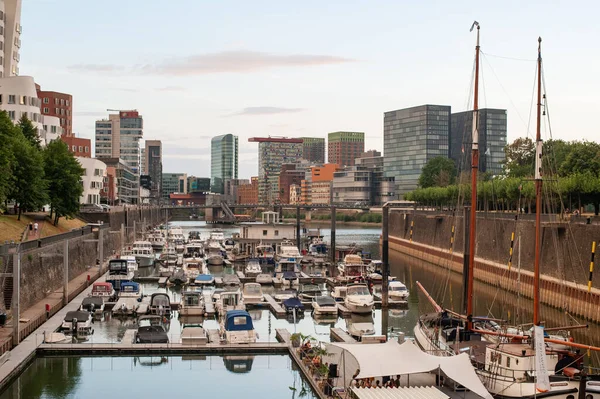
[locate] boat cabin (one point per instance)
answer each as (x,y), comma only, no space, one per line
(118,267)
(130,289)
(160,304)
(103,289)
(238,320)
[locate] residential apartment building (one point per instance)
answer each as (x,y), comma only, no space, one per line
(411,137)
(59,105)
(321,173)
(248,193)
(80,147)
(313,149)
(273,152)
(344,147)
(121,185)
(230,189)
(321,192)
(119,137)
(223,161)
(92,179)
(492,128)
(295,194)
(153,167)
(10,36)
(173,183)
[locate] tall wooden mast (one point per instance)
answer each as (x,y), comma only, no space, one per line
(474,169)
(538,192)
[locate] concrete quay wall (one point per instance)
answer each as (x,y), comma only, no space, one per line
(566,252)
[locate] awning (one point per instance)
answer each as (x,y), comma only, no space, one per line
(391,358)
(399,393)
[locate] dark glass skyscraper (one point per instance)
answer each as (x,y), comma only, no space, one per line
(492,139)
(411,137)
(223,161)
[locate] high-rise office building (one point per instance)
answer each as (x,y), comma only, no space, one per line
(313,149)
(119,137)
(173,183)
(492,139)
(273,152)
(10,23)
(198,184)
(59,105)
(344,147)
(223,161)
(411,137)
(153,166)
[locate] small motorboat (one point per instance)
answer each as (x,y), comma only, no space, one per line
(130,289)
(229,300)
(309,291)
(78,322)
(238,328)
(397,291)
(151,331)
(178,277)
(290,279)
(252,293)
(231,280)
(92,304)
(359,299)
(104,290)
(204,279)
(192,303)
(339,293)
(253,268)
(324,305)
(285,294)
(292,304)
(194,334)
(160,304)
(360,325)
(264,278)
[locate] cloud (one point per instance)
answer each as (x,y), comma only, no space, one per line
(102,68)
(265,111)
(241,61)
(170,88)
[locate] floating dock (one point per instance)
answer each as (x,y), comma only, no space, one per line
(276,308)
(339,335)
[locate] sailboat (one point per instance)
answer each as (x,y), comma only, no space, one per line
(508,370)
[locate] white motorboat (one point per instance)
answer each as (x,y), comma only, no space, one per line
(218,236)
(237,327)
(286,272)
(285,294)
(160,304)
(193,334)
(397,291)
(214,255)
(309,291)
(265,253)
(360,325)
(229,245)
(193,267)
(252,293)
(288,250)
(359,299)
(339,293)
(194,249)
(231,280)
(252,268)
(157,240)
(230,300)
(264,278)
(192,303)
(103,290)
(324,305)
(132,265)
(144,254)
(77,322)
(352,268)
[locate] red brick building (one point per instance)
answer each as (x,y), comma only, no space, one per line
(59,105)
(288,176)
(344,147)
(248,193)
(80,147)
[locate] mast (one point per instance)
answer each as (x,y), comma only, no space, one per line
(474,169)
(538,192)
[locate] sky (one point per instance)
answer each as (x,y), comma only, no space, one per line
(196,69)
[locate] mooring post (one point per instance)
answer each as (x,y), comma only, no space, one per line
(384,255)
(466,250)
(298,241)
(66,272)
(16,295)
(333,259)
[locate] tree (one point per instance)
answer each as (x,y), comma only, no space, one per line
(29,188)
(63,173)
(438,172)
(584,157)
(8,131)
(520,157)
(29,131)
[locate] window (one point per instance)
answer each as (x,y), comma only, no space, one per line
(68,103)
(22,100)
(80,149)
(46,110)
(507,361)
(56,103)
(1,30)
(53,129)
(11,114)
(56,111)
(276,232)
(62,101)
(87,149)
(46,100)
(264,232)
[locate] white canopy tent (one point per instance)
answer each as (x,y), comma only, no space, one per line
(392,358)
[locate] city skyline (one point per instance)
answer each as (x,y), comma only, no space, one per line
(296,84)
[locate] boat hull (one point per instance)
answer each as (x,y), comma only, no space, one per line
(192,311)
(215,260)
(325,311)
(144,261)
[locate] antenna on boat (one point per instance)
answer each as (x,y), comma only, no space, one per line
(538,191)
(474,169)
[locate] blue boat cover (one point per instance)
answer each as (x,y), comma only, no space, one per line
(204,277)
(238,320)
(293,303)
(136,286)
(289,276)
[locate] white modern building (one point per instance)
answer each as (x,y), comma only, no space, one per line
(119,137)
(18,97)
(92,180)
(10,37)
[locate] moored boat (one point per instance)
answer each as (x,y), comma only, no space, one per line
(359,299)
(192,303)
(252,293)
(238,328)
(324,305)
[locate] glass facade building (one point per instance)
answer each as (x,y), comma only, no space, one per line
(173,183)
(411,137)
(223,161)
(492,139)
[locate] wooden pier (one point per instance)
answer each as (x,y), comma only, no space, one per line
(339,335)
(276,308)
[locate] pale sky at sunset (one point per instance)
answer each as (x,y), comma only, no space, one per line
(196,69)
